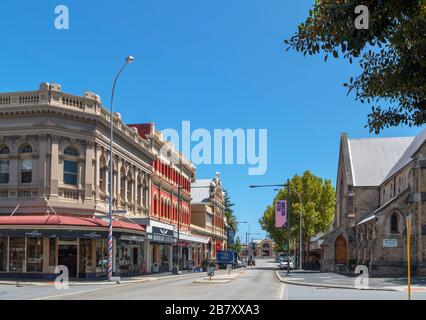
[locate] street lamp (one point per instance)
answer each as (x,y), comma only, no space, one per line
(300,232)
(288,215)
(128,60)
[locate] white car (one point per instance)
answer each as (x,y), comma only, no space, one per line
(283,264)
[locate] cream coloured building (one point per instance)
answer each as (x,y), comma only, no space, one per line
(54,161)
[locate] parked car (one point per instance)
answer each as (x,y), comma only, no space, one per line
(283,265)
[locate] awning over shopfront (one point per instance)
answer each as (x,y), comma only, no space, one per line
(60,226)
(193,239)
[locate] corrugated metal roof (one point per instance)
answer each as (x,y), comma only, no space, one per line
(406,156)
(372,159)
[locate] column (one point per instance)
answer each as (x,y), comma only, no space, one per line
(170,262)
(54,167)
(97,172)
(42,163)
(135,189)
(46,247)
(89,171)
(118,183)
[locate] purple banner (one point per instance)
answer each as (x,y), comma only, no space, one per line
(280,213)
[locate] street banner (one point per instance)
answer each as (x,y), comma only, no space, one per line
(280,213)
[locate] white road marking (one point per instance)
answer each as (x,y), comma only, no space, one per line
(325,277)
(282,292)
(77,292)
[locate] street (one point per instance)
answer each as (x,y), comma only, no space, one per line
(255,283)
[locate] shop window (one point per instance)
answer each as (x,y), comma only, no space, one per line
(34,255)
(3,254)
(52,253)
(101,255)
(85,255)
(16,254)
(70,172)
(4,171)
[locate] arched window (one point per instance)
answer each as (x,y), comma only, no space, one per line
(70,166)
(129,188)
(102,174)
(122,183)
(4,150)
(4,164)
(394,223)
(26,163)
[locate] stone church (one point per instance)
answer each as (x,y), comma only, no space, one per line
(380,181)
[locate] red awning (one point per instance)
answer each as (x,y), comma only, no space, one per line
(54,220)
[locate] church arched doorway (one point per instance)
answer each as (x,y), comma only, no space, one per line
(340,250)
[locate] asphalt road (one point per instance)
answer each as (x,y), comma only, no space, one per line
(258,283)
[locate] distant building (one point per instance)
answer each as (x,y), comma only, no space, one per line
(380,181)
(207,218)
(260,248)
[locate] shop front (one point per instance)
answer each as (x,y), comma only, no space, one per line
(161,242)
(33,246)
(191,248)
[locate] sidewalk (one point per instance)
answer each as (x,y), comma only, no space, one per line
(143,278)
(332,280)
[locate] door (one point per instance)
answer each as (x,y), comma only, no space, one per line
(340,250)
(67,256)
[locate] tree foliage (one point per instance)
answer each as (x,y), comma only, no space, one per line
(237,246)
(230,216)
(391,54)
(318,202)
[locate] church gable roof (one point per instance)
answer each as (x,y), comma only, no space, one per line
(372,159)
(407,155)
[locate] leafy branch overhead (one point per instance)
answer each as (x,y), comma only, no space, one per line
(391,53)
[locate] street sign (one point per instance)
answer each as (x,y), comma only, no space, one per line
(280,213)
(390,243)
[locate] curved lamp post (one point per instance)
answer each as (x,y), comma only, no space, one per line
(129,60)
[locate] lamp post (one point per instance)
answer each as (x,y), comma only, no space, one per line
(288,215)
(128,60)
(300,232)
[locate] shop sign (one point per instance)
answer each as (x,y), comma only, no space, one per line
(161,235)
(132,238)
(390,243)
(182,244)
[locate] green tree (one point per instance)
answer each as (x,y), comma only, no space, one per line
(230,216)
(391,53)
(318,203)
(237,246)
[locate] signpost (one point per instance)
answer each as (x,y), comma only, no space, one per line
(408,221)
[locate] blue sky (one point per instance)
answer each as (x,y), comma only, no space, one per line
(220,64)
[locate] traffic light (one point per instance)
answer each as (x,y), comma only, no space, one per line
(209,245)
